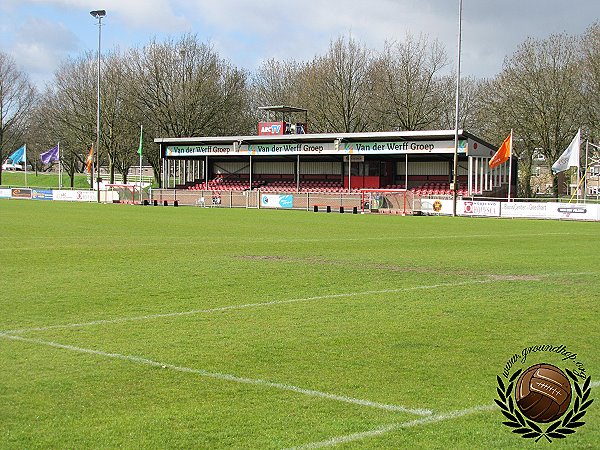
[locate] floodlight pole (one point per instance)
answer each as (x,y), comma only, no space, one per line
(98,14)
(456,113)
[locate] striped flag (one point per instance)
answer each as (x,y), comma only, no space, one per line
(89,162)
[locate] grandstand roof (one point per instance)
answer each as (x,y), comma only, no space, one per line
(324,137)
(442,140)
(282,109)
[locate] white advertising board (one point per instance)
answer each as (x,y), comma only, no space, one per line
(75,196)
(543,210)
(436,206)
(463,207)
(276,201)
(478,208)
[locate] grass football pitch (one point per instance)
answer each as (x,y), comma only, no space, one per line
(158,327)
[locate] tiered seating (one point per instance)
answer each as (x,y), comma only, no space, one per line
(321,186)
(279,186)
(437,189)
(224,184)
(305,186)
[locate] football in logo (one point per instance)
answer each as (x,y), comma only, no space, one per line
(543,393)
(437,206)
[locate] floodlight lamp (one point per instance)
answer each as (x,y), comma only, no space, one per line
(98,14)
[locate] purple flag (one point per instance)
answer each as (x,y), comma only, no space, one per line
(50,155)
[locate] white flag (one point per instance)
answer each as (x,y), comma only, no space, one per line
(570,157)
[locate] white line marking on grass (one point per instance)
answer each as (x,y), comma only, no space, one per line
(393,427)
(224,376)
(411,237)
(244,306)
(490,279)
(175,241)
(399,425)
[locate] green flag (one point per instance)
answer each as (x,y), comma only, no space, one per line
(141,140)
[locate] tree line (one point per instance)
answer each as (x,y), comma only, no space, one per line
(181,87)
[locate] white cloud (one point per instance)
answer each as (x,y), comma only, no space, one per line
(158,15)
(249,32)
(40,45)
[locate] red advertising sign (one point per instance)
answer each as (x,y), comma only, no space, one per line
(271,128)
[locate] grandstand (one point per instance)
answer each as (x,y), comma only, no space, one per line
(333,163)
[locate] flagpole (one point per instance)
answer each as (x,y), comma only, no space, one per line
(456,113)
(25,162)
(140,152)
(59,167)
(510,165)
(578,164)
(587,145)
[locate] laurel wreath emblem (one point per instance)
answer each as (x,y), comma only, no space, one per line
(528,429)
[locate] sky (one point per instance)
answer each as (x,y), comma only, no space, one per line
(40,34)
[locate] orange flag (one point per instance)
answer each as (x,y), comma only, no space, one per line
(90,159)
(503,153)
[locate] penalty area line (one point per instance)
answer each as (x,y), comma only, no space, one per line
(489,279)
(245,306)
(223,376)
(393,427)
(400,425)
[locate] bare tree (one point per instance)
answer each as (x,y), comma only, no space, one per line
(590,48)
(411,94)
(471,90)
(182,88)
(338,88)
(119,123)
(538,93)
(276,83)
(17,98)
(68,109)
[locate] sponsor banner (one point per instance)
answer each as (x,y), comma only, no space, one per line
(75,196)
(477,208)
(5,193)
(435,206)
(41,194)
(20,193)
(320,148)
(323,148)
(276,201)
(363,148)
(543,210)
(271,128)
(199,150)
